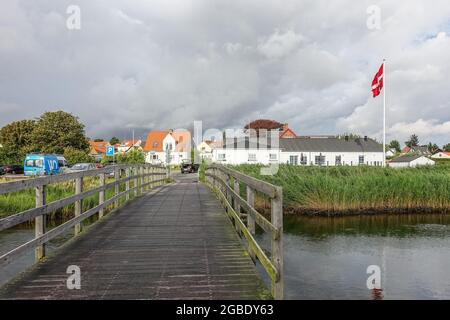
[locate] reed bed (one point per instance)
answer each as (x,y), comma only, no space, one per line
(337,190)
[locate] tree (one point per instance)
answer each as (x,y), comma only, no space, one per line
(98,140)
(56,131)
(433,147)
(114,140)
(394,144)
(132,157)
(73,156)
(16,139)
(413,141)
(446,147)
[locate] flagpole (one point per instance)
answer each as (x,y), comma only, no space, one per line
(384,112)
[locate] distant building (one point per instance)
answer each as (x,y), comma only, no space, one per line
(331,151)
(127,145)
(206,147)
(98,149)
(441,155)
(302,151)
(264,124)
(411,161)
(176,144)
(420,150)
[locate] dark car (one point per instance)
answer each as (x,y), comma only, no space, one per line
(13,169)
(189,167)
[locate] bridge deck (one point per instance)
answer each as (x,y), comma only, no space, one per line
(174,243)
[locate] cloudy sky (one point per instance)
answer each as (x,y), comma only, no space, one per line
(160,64)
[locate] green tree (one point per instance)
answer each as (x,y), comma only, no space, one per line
(73,156)
(394,144)
(433,147)
(98,140)
(16,139)
(56,131)
(114,140)
(131,157)
(446,147)
(413,141)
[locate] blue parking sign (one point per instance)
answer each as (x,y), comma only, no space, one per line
(110,150)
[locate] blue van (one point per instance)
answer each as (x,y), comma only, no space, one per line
(41,165)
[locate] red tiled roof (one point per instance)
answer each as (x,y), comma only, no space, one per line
(155,141)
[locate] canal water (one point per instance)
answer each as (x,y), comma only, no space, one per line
(327,258)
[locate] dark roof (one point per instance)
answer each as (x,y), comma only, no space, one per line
(407,158)
(329,144)
(246,143)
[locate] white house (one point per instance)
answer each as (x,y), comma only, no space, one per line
(411,161)
(128,145)
(441,155)
(206,147)
(175,144)
(331,151)
(245,150)
(303,151)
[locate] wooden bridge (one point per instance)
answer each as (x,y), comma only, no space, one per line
(161,239)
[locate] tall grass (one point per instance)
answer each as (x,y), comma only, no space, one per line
(15,202)
(338,189)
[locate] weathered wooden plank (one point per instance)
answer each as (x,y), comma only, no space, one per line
(259,185)
(171,243)
(265,224)
(277,244)
(14,186)
(40,222)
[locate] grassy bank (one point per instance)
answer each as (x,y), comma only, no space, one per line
(22,200)
(345,190)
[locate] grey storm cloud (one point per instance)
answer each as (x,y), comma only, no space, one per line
(142,65)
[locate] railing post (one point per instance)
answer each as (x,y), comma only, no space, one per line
(141,170)
(237,206)
(277,243)
(250,218)
(127,184)
(78,203)
(40,221)
(116,187)
(135,183)
(101,195)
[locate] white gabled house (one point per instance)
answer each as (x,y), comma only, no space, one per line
(240,150)
(302,151)
(411,161)
(176,144)
(441,155)
(331,151)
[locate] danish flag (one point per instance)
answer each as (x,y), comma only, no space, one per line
(377,83)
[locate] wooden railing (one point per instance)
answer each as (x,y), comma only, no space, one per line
(226,183)
(144,176)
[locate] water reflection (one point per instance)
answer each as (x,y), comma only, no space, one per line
(327,258)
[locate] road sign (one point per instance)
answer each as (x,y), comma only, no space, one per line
(110,150)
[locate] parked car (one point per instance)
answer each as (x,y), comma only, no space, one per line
(99,165)
(12,169)
(189,167)
(41,164)
(82,167)
(62,162)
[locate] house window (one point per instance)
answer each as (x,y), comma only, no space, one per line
(338,160)
(319,160)
(155,157)
(252,157)
(273,157)
(303,160)
(293,160)
(361,160)
(221,156)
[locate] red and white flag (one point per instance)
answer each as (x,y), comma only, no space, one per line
(377,83)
